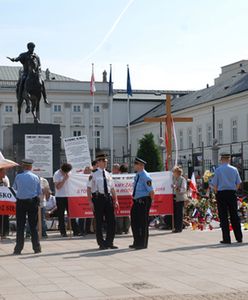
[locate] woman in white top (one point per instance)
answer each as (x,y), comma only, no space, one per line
(4,219)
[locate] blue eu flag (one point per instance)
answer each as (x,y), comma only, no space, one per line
(129,87)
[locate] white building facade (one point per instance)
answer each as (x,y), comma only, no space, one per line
(220,113)
(71,107)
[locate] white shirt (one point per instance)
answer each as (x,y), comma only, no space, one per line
(50,203)
(97,184)
(58,177)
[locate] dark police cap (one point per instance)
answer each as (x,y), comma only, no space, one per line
(225,155)
(101,156)
(27,162)
(140,161)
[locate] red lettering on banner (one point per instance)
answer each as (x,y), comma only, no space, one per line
(79,206)
(7,208)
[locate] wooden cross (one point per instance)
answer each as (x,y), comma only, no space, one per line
(167,118)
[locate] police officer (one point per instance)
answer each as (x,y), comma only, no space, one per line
(226,182)
(143,196)
(28,189)
(103,201)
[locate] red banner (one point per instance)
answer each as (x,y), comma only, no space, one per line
(7,201)
(79,206)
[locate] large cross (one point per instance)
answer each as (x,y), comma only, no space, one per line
(167,118)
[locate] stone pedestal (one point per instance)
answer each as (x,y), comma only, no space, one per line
(14,140)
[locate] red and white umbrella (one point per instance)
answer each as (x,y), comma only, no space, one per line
(6,163)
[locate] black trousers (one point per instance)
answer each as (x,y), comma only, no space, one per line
(104,209)
(178,215)
(27,207)
(62,206)
(4,225)
(140,221)
(84,225)
(227,204)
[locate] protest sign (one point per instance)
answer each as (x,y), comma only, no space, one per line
(76,191)
(77,152)
(39,147)
(7,201)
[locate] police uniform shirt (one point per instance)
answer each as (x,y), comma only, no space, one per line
(97,182)
(143,186)
(226,177)
(27,185)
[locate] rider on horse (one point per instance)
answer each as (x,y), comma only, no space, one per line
(24,58)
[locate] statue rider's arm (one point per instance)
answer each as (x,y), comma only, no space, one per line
(15,59)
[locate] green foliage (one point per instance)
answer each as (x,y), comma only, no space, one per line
(151,153)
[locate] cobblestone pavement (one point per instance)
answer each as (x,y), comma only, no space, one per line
(191,265)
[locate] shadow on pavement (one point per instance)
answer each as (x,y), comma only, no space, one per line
(209,246)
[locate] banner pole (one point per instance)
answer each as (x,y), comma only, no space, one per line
(39,223)
(2,227)
(69,225)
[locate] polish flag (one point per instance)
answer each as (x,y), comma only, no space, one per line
(92,82)
(193,187)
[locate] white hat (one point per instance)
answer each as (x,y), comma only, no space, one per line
(6,163)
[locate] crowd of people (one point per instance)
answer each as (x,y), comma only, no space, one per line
(32,192)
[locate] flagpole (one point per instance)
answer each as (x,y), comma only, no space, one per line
(93,119)
(111,119)
(128,125)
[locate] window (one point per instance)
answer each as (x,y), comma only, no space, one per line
(97,108)
(8,108)
(199,137)
(57,108)
(98,139)
(220,132)
(180,139)
(209,135)
(234,130)
(77,133)
(76,108)
(190,137)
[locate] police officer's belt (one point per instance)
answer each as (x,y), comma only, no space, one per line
(141,199)
(28,199)
(97,194)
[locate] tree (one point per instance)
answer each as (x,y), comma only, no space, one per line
(151,153)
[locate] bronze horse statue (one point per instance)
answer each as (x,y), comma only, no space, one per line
(32,90)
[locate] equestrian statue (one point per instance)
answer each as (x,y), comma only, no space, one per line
(30,86)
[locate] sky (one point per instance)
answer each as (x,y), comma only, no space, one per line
(179,44)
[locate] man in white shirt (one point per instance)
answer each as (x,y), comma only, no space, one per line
(103,201)
(60,177)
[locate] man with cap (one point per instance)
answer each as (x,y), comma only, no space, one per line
(226,182)
(103,201)
(28,189)
(143,196)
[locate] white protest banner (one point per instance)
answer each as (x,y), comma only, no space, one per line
(7,201)
(77,152)
(76,191)
(39,147)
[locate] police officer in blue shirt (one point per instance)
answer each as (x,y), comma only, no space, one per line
(28,189)
(226,182)
(143,196)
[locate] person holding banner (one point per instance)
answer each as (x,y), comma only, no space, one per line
(143,196)
(103,201)
(60,177)
(28,189)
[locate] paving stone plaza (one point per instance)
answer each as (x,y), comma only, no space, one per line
(190,265)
